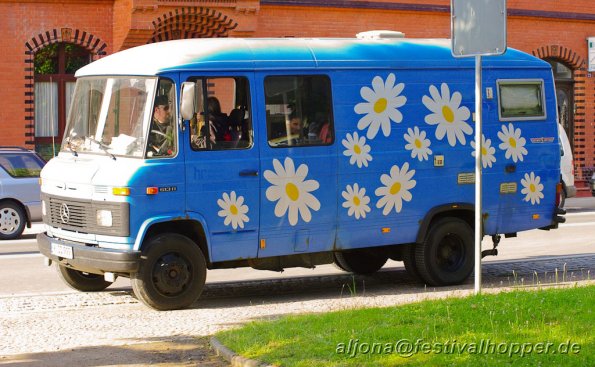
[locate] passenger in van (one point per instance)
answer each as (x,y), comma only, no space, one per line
(295,126)
(218,120)
(161,133)
(325,134)
(218,126)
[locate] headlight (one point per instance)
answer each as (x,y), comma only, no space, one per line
(104,218)
(43,208)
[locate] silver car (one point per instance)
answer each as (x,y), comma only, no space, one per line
(20,202)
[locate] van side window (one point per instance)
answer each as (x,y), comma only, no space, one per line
(521,100)
(298,111)
(227,111)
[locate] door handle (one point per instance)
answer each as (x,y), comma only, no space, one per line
(248,173)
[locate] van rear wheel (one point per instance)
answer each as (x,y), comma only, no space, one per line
(409,261)
(361,262)
(446,256)
(81,281)
(172,273)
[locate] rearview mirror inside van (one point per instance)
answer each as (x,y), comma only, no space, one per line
(187,100)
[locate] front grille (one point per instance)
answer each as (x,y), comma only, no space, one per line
(81,215)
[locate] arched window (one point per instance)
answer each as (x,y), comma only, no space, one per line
(55,66)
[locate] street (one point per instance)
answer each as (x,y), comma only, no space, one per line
(46,323)
(23,272)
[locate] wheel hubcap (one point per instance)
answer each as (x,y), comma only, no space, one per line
(171,274)
(451,253)
(9,221)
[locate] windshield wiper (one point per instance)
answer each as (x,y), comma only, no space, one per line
(102,146)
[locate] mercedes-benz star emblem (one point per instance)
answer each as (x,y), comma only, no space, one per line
(64,213)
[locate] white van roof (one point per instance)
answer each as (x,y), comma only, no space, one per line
(290,53)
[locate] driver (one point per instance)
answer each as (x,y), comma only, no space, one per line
(161,133)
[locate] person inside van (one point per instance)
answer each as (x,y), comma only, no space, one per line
(218,120)
(161,133)
(295,126)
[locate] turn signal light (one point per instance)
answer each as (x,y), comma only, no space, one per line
(152,190)
(121,191)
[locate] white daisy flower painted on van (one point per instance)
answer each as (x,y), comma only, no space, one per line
(396,188)
(381,106)
(233,210)
(448,114)
(532,188)
(487,152)
(292,191)
(357,149)
(418,144)
(356,201)
(512,142)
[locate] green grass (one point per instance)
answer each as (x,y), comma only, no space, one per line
(557,323)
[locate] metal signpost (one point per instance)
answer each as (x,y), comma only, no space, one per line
(478,28)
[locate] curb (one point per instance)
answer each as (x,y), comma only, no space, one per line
(234,359)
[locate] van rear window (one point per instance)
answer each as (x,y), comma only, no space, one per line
(521,100)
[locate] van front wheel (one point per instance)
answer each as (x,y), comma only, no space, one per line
(172,273)
(81,281)
(446,256)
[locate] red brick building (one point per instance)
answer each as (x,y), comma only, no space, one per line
(44,41)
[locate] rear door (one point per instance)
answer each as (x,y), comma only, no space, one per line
(298,162)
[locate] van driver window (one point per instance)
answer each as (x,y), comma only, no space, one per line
(225,123)
(298,110)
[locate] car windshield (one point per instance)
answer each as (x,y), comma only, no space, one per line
(110,115)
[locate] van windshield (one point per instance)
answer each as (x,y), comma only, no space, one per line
(110,115)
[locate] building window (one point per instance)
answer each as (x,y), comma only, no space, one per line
(55,66)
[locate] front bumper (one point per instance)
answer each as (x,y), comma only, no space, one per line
(91,259)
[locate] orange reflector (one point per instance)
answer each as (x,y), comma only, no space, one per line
(385,230)
(121,191)
(263,244)
(152,190)
(536,216)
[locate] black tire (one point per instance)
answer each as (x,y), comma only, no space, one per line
(446,256)
(81,281)
(337,264)
(12,220)
(363,262)
(562,197)
(408,253)
(172,273)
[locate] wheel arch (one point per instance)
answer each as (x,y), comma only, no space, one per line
(193,228)
(464,211)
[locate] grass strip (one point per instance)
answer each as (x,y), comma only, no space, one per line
(546,327)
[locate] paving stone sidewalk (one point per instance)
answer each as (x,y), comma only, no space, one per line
(113,328)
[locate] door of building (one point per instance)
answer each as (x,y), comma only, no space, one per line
(563,78)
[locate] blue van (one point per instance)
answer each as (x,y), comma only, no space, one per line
(189,155)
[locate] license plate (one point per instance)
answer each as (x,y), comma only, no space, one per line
(61,251)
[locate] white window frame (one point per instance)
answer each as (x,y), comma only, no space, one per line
(508,82)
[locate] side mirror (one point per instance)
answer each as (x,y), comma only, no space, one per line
(187,108)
